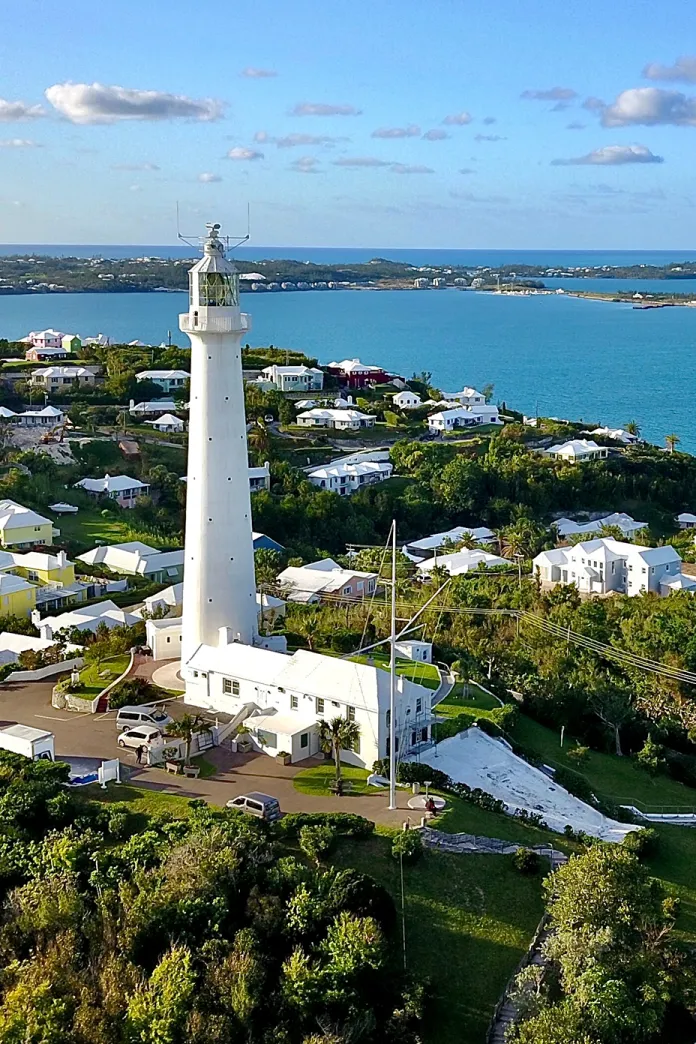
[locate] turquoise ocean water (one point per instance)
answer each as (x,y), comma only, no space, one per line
(601,362)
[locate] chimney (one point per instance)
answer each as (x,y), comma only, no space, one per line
(226,636)
(62,559)
(131,404)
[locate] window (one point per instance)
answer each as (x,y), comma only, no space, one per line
(267,739)
(388,718)
(304,740)
(319,705)
(413,739)
(294,703)
(350,713)
(419,705)
(230,686)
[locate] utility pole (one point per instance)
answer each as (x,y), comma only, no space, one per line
(392,678)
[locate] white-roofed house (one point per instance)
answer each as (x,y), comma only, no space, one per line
(260,477)
(44,338)
(459,562)
(686,520)
(121,488)
(48,417)
(85,618)
(426,547)
(347,478)
(463,417)
(164,631)
(576,450)
(155,408)
(168,422)
(568,527)
(56,378)
(341,420)
(325,579)
(133,558)
(411,649)
(167,380)
(294,378)
(45,354)
(22,527)
(616,434)
(357,374)
(467,397)
(13,645)
(604,565)
(407,400)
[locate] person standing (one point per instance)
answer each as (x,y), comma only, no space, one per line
(139,755)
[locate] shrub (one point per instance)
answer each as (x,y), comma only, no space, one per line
(346,824)
(578,753)
(506,716)
(316,841)
(362,896)
(575,783)
(642,842)
(407,845)
(525,861)
(490,727)
(118,825)
(131,692)
(651,757)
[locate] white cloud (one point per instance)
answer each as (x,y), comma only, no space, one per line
(292,141)
(458,119)
(593,104)
(553,94)
(135,166)
(19,143)
(470,197)
(208,179)
(650,106)
(16,112)
(611,156)
(489,137)
(435,135)
(683,70)
(411,168)
(240,152)
(99,103)
(361,161)
(305,165)
(412,131)
(320,109)
(252,73)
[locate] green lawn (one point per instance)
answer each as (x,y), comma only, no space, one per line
(316,780)
(90,675)
(469,919)
(141,799)
(85,528)
(425,674)
(469,698)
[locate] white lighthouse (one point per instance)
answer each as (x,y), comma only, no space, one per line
(220,589)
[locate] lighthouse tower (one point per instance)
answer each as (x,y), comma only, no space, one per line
(220,588)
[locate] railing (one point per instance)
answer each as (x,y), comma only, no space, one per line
(214,324)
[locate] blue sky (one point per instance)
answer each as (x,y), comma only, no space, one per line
(543,125)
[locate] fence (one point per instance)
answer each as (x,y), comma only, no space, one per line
(45,672)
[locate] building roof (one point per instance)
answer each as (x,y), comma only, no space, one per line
(462,562)
(63,371)
(167,419)
(355,366)
(14,516)
(154,406)
(686,516)
(680,582)
(42,333)
(167,375)
(11,584)
(465,393)
(47,411)
(110,484)
(574,448)
(291,371)
(608,548)
(262,471)
(5,414)
(335,414)
(454,535)
(569,527)
(367,467)
(84,615)
(618,434)
(99,555)
(26,732)
(305,583)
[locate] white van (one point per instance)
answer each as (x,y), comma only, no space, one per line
(131,717)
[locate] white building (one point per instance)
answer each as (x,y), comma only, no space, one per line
(467,397)
(459,562)
(341,420)
(576,450)
(121,488)
(44,339)
(294,378)
(604,565)
(168,380)
(617,434)
(260,477)
(168,422)
(84,618)
(135,558)
(48,417)
(426,547)
(13,645)
(463,417)
(345,479)
(419,652)
(326,578)
(407,400)
(568,527)
(152,409)
(56,378)
(686,520)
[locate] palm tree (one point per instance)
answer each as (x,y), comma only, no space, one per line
(633,428)
(337,735)
(184,728)
(672,441)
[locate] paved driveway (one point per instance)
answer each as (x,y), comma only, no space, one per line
(94,736)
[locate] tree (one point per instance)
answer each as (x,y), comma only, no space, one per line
(185,727)
(672,441)
(611,707)
(633,428)
(487,391)
(156,1013)
(316,841)
(337,735)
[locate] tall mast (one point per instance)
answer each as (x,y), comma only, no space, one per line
(392,678)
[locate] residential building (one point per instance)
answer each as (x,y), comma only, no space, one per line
(407,400)
(70,343)
(604,565)
(121,488)
(568,527)
(356,374)
(617,434)
(167,380)
(345,479)
(48,417)
(280,698)
(13,645)
(44,339)
(17,595)
(170,602)
(53,579)
(576,450)
(56,378)
(426,547)
(421,283)
(341,420)
(85,618)
(294,378)
(463,417)
(686,520)
(419,652)
(134,558)
(154,408)
(261,542)
(45,354)
(22,527)
(457,562)
(260,477)
(168,422)
(39,566)
(325,579)
(467,397)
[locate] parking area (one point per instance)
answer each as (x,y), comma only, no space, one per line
(94,736)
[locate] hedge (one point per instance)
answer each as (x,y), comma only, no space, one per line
(346,823)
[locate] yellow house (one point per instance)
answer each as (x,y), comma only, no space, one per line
(41,567)
(17,596)
(22,527)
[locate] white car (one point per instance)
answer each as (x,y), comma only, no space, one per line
(142,736)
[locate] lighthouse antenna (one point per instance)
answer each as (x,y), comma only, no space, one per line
(231,242)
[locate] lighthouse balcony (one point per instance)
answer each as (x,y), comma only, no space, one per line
(198,322)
